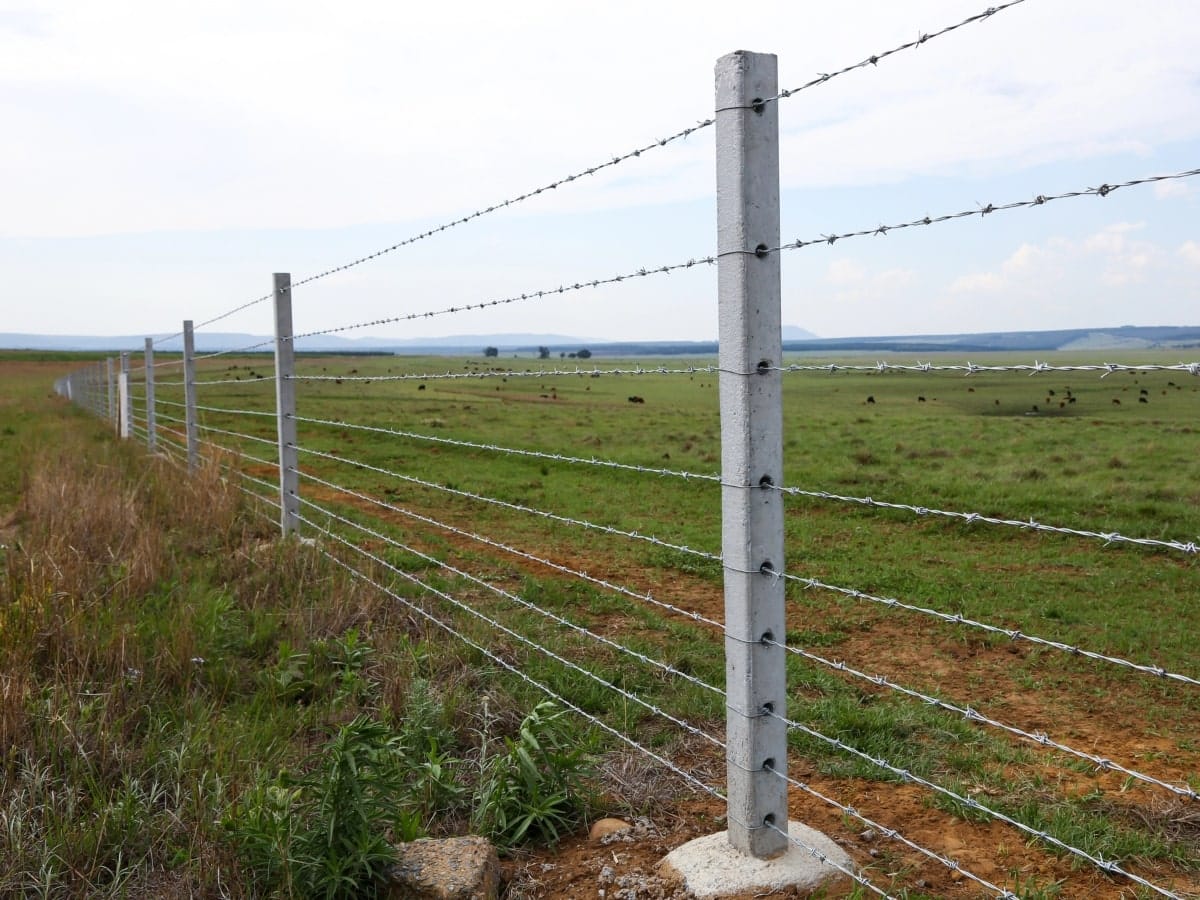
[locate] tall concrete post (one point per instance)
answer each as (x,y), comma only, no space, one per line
(285,405)
(192,426)
(124,400)
(748,286)
(151,434)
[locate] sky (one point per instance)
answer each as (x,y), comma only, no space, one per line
(162,159)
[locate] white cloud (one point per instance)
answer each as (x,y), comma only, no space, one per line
(844,272)
(1166,189)
(977,283)
(1190,251)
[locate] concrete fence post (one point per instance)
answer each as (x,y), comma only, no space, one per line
(124,400)
(285,405)
(110,378)
(151,435)
(751,397)
(189,395)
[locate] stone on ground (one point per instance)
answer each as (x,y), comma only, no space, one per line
(462,868)
(710,867)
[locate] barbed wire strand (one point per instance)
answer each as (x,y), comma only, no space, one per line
(1109,866)
(238,412)
(876,58)
(970,368)
(969,518)
(496,448)
(971,715)
(1011,634)
(516,635)
(594,372)
(1108,537)
(565,520)
(539,560)
(823,78)
(238,434)
(984,210)
(507,595)
(670,765)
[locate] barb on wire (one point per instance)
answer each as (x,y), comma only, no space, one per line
(1109,866)
(875,58)
(1108,537)
(1011,634)
(501,592)
(263,379)
(517,507)
(484,617)
(580,372)
(972,715)
(515,298)
(1041,199)
(512,451)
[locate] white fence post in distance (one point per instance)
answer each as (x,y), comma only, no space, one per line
(189,396)
(285,405)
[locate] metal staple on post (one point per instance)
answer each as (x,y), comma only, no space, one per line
(750,349)
(151,437)
(285,405)
(189,395)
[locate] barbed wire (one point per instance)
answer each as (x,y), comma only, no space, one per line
(265,379)
(1109,866)
(515,635)
(984,210)
(876,58)
(669,764)
(891,833)
(1108,537)
(970,368)
(565,520)
(1011,634)
(501,592)
(238,412)
(240,435)
(593,372)
(512,451)
(972,715)
(506,548)
(515,298)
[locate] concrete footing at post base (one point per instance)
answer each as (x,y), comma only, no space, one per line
(710,867)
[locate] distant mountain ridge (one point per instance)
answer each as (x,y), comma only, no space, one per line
(1125,337)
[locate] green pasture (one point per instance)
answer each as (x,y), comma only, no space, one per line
(974,444)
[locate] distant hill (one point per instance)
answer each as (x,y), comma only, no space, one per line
(1126,337)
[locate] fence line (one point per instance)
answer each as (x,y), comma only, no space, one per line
(753,491)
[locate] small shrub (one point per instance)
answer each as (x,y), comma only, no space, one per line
(532,791)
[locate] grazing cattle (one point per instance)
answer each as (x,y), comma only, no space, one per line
(1051,393)
(420,387)
(1142,400)
(997,402)
(1062,404)
(871,399)
(970,390)
(354,371)
(1070,399)
(1116,401)
(1035,408)
(1143,392)
(637,399)
(920,399)
(337,381)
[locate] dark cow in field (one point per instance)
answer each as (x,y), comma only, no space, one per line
(637,399)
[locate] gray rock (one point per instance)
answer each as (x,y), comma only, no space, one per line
(463,868)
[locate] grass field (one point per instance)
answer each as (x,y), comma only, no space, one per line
(971,445)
